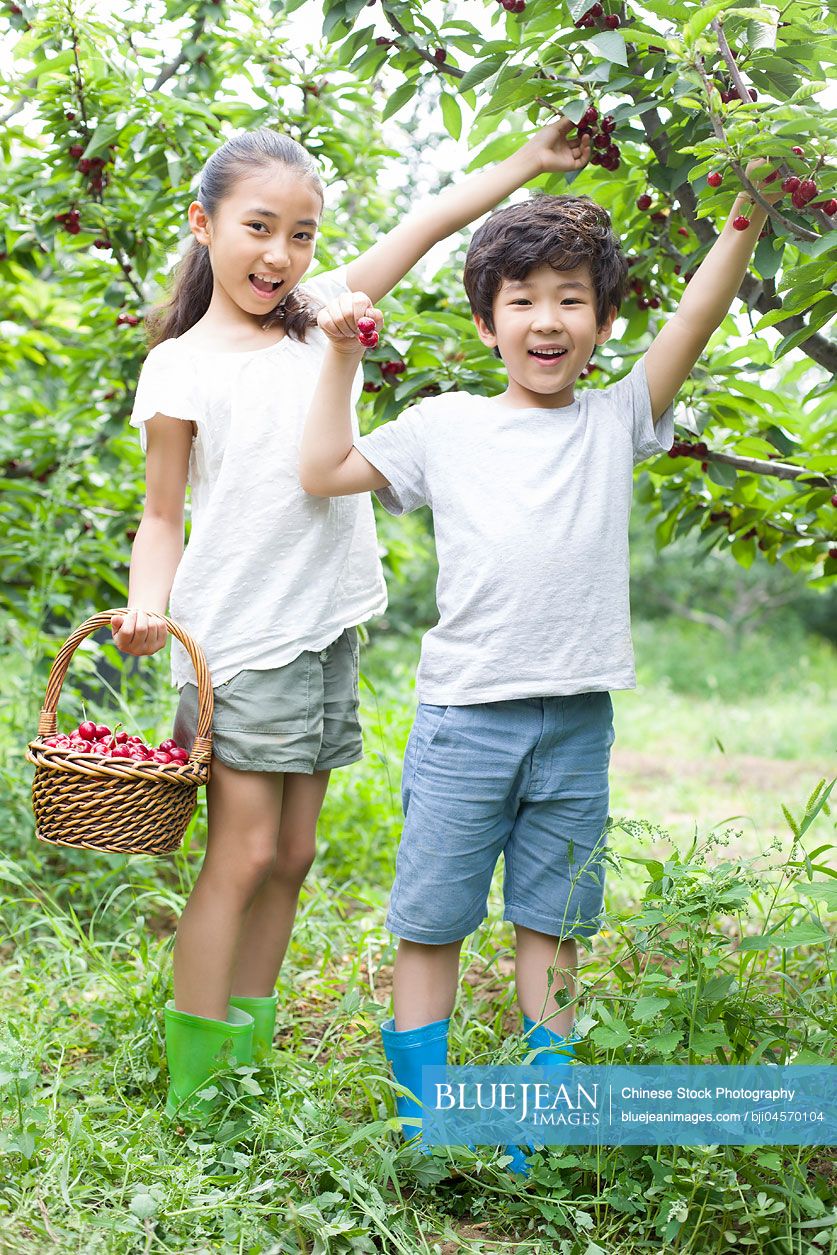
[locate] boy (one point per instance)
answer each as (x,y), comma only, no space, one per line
(531,497)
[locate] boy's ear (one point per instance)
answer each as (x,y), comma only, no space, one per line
(199,222)
(484,332)
(603,333)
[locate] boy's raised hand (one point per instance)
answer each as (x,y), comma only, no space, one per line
(556,151)
(338,320)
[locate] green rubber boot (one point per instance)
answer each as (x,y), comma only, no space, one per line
(193,1043)
(263,1011)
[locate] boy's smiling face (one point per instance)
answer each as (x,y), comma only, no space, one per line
(545,329)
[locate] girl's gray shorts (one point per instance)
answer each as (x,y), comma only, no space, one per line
(302,717)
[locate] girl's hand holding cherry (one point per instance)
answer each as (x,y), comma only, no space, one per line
(351,323)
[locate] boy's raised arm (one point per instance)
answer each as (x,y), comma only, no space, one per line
(329,464)
(705,302)
(381,267)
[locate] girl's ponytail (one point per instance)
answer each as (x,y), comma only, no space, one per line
(189,300)
(191,289)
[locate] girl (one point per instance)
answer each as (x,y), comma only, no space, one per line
(273,582)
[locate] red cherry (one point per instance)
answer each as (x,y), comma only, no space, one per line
(714,179)
(591,115)
(807,190)
(440,56)
(120,737)
(178,755)
(365,325)
(369,386)
(612,22)
(608,123)
(830,208)
(167,745)
(791,183)
(52,741)
(800,152)
(741,223)
(595,10)
(682,231)
(832,553)
(834,501)
(159,757)
(752,93)
(75,151)
(87,730)
(798,200)
(654,302)
(643,201)
(121,751)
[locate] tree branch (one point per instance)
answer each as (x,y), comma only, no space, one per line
(169,71)
(441,67)
(757,466)
(820,349)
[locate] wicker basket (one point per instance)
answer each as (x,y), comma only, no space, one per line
(114,804)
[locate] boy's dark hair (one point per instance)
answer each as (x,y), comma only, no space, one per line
(559,231)
(191,289)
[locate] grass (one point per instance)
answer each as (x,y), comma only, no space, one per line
(87,1166)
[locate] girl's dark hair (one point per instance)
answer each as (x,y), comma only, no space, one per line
(191,288)
(559,231)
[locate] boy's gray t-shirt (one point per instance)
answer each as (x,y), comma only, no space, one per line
(530,512)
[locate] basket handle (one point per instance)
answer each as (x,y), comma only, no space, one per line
(47,723)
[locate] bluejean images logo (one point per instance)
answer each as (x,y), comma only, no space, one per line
(575,1104)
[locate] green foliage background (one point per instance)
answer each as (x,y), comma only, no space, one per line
(85,943)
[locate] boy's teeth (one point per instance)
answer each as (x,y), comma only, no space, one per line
(548,352)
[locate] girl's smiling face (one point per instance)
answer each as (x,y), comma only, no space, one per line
(545,329)
(260,240)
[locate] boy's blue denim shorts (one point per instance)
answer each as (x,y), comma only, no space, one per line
(527,778)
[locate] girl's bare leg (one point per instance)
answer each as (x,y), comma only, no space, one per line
(267,930)
(244,810)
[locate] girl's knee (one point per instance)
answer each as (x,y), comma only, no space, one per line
(294,859)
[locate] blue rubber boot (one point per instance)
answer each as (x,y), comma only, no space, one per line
(554,1051)
(408,1052)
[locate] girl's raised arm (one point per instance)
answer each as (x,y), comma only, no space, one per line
(381,267)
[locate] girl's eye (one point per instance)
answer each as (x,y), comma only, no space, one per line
(256,224)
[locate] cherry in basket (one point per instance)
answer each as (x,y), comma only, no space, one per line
(97,738)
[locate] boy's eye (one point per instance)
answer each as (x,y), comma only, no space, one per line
(304,235)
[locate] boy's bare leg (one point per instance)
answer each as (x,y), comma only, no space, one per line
(268,926)
(424,983)
(536,954)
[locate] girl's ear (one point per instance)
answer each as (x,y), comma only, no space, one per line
(484,332)
(199,222)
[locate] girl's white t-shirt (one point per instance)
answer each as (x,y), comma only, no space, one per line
(268,571)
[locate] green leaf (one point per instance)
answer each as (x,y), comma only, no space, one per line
(611,45)
(722,474)
(700,20)
(611,1036)
(480,72)
(451,115)
(821,891)
(399,98)
(647,1008)
(808,934)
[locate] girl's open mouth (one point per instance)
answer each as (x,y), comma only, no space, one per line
(263,286)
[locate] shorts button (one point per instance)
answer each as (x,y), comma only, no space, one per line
(323,655)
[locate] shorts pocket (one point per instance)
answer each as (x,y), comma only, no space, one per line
(274,702)
(427,726)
